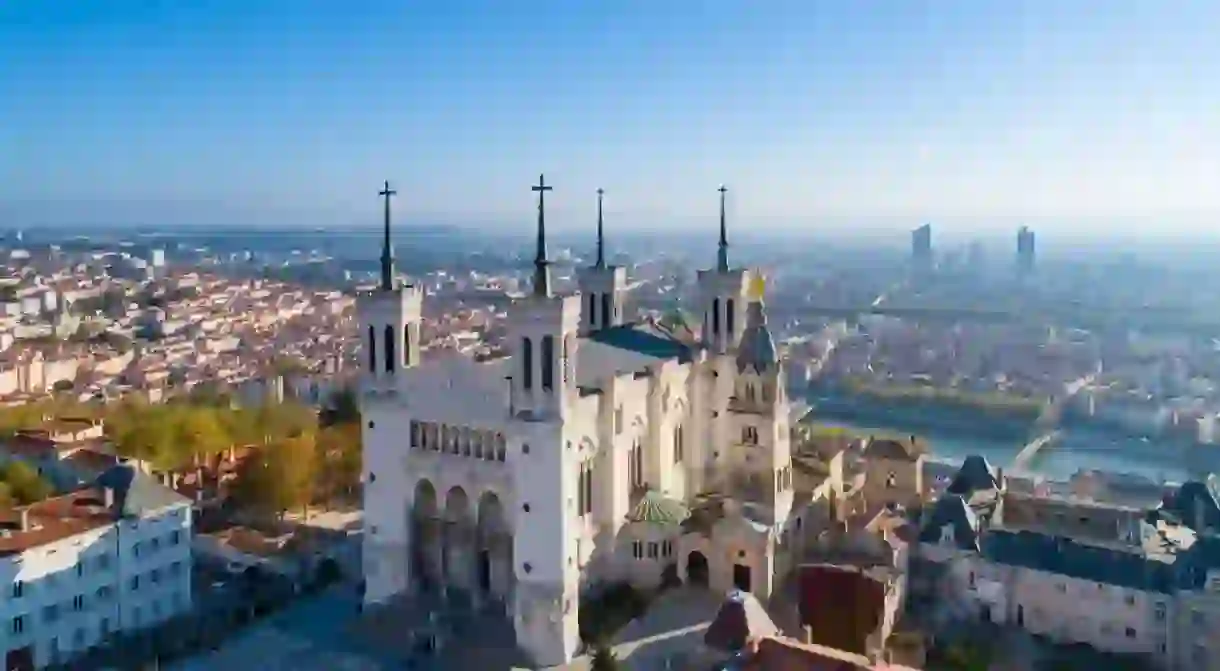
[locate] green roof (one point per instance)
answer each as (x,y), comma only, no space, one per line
(657,508)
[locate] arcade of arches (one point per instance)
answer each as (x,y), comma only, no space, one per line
(460,544)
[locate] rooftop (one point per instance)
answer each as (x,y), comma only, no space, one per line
(52,520)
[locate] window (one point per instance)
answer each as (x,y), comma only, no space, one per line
(1130,632)
(592,309)
(372,350)
(972,580)
(50,614)
(135,583)
(406,344)
(389,349)
(175,537)
(1130,599)
(18,624)
(667,548)
(155,576)
(729,316)
(548,363)
(678,451)
(135,548)
(527,364)
(104,592)
(606,310)
(654,551)
(635,464)
(1061,588)
(891,480)
(103,562)
(637,549)
(154,543)
(750,396)
(716,316)
(18,589)
(78,602)
(80,569)
(618,420)
(749,435)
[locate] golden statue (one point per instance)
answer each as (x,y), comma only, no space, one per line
(758,286)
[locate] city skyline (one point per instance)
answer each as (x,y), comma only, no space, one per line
(966,115)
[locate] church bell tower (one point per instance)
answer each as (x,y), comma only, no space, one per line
(722,292)
(603,288)
(389,317)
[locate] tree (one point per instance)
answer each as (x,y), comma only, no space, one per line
(339,450)
(24,483)
(279,477)
(342,407)
(200,431)
(604,659)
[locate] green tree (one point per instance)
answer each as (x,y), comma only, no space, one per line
(604,659)
(279,477)
(24,483)
(342,407)
(200,431)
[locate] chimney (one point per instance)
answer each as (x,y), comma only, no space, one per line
(25,519)
(807,635)
(108,496)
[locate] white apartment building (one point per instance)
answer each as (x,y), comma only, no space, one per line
(80,567)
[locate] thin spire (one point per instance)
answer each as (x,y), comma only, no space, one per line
(722,256)
(542,271)
(601,239)
(387,248)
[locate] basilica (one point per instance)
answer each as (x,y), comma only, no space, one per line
(599,450)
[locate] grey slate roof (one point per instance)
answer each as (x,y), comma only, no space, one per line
(757,348)
(952,510)
(136,493)
(645,338)
(975,475)
(1194,505)
(1129,568)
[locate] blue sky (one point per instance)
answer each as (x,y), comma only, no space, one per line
(813,112)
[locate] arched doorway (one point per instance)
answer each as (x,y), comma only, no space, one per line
(741,577)
(458,539)
(696,569)
(494,543)
(425,539)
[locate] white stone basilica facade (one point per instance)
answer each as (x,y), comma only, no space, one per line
(596,451)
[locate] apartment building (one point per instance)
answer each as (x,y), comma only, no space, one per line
(1119,579)
(78,568)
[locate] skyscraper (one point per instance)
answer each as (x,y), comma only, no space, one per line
(1025,251)
(921,248)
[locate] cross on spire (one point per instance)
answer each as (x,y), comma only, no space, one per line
(387,248)
(722,256)
(542,272)
(601,240)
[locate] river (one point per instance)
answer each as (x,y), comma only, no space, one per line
(1076,449)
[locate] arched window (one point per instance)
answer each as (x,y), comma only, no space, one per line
(592,309)
(389,349)
(548,362)
(406,344)
(715,316)
(373,350)
(527,363)
(728,316)
(501,448)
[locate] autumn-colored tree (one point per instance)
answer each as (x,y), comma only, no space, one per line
(24,484)
(279,477)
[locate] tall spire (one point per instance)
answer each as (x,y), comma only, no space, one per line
(722,256)
(601,240)
(542,271)
(387,248)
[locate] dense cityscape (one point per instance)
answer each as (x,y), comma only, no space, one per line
(302,368)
